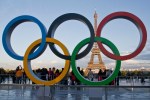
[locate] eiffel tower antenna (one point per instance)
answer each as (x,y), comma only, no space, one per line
(95,52)
(95,22)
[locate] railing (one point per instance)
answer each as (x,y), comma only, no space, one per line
(123,81)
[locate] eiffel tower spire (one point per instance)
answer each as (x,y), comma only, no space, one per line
(95,22)
(95,52)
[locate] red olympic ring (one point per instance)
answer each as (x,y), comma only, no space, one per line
(134,19)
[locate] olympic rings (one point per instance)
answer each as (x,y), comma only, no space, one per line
(49,38)
(64,18)
(83,43)
(27,65)
(136,21)
(9,29)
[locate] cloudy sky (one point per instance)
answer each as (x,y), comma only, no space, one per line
(123,33)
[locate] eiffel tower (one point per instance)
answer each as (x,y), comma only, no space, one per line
(95,52)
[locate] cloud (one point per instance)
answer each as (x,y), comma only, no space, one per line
(131,61)
(143,57)
(145,54)
(39,62)
(53,62)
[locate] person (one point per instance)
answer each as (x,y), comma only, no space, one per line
(108,73)
(103,73)
(13,76)
(142,77)
(2,75)
(50,74)
(24,78)
(57,73)
(44,74)
(19,74)
(128,76)
(100,75)
(64,81)
(82,72)
(38,73)
(117,78)
(77,80)
(90,75)
(72,78)
(53,73)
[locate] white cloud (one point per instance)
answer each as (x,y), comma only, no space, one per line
(131,61)
(53,62)
(39,62)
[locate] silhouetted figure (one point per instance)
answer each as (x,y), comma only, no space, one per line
(100,75)
(90,75)
(57,73)
(72,78)
(142,77)
(104,74)
(117,78)
(64,81)
(13,77)
(50,74)
(24,78)
(77,80)
(44,72)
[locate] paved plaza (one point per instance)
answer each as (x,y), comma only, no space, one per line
(30,92)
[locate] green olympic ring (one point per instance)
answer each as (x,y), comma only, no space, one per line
(84,80)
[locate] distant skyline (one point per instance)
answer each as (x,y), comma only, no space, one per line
(122,33)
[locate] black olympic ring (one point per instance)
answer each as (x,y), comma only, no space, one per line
(63,18)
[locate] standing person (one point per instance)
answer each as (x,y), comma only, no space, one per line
(19,74)
(64,81)
(77,80)
(100,75)
(117,78)
(128,76)
(90,75)
(108,73)
(142,77)
(50,74)
(57,73)
(24,78)
(82,72)
(2,75)
(72,78)
(38,73)
(13,76)
(53,73)
(103,73)
(44,74)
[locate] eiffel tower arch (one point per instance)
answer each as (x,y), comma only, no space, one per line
(95,52)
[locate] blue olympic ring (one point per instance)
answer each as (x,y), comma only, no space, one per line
(9,29)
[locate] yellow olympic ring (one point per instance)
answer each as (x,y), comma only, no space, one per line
(30,73)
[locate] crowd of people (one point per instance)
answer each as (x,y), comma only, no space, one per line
(2,72)
(137,76)
(103,74)
(19,76)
